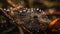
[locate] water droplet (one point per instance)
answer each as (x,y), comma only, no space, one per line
(24,10)
(7,10)
(4,8)
(40,10)
(20,11)
(37,8)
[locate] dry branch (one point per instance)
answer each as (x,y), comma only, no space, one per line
(11,3)
(15,6)
(6,14)
(27,30)
(20,30)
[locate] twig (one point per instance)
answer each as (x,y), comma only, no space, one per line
(6,14)
(53,22)
(15,6)
(26,30)
(11,3)
(20,30)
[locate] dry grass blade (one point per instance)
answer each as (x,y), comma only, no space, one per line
(27,30)
(15,6)
(11,3)
(20,30)
(6,14)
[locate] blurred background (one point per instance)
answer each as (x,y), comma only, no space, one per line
(43,4)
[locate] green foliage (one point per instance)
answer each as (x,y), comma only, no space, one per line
(1,5)
(49,4)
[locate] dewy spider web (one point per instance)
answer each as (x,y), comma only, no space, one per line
(32,19)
